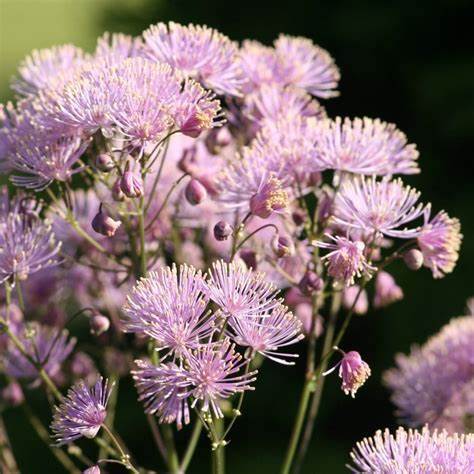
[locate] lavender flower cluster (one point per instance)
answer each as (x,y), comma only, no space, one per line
(190,199)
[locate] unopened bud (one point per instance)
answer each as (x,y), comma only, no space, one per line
(117,193)
(12,394)
(104,162)
(131,184)
(99,324)
(310,283)
(92,470)
(222,231)
(195,192)
(282,246)
(299,217)
(104,224)
(413,259)
(217,138)
(249,257)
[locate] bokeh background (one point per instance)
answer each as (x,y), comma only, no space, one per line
(407,62)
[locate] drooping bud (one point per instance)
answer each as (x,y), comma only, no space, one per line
(131,183)
(187,161)
(352,299)
(117,193)
(195,192)
(299,217)
(249,257)
(217,138)
(104,162)
(222,231)
(104,224)
(12,394)
(283,246)
(386,290)
(99,324)
(413,259)
(310,283)
(353,372)
(270,197)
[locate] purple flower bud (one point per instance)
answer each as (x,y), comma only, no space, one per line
(386,290)
(413,259)
(117,193)
(195,192)
(82,366)
(92,470)
(310,283)
(351,297)
(104,224)
(249,257)
(12,394)
(222,231)
(270,197)
(104,162)
(131,184)
(299,217)
(99,324)
(283,246)
(217,138)
(186,162)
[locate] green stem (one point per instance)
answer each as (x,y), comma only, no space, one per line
(125,458)
(21,301)
(141,231)
(173,461)
(193,441)
(7,458)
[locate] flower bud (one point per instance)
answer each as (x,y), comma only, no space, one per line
(92,470)
(117,193)
(299,217)
(99,324)
(282,246)
(222,231)
(310,283)
(104,162)
(104,224)
(270,197)
(413,259)
(195,192)
(386,290)
(12,394)
(249,257)
(217,138)
(351,298)
(131,184)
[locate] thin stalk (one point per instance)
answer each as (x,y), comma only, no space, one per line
(155,431)
(193,441)
(19,293)
(236,247)
(43,434)
(173,461)
(141,231)
(125,458)
(112,405)
(7,458)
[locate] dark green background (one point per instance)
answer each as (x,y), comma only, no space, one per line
(407,62)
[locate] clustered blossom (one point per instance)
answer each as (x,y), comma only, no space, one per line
(82,412)
(434,383)
(413,451)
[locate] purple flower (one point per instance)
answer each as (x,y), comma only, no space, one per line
(268,332)
(222,231)
(365,146)
(269,198)
(92,470)
(168,306)
(47,346)
(386,290)
(82,412)
(164,391)
(27,245)
(346,259)
(195,192)
(48,68)
(113,48)
(213,372)
(353,372)
(378,206)
(43,164)
(308,66)
(240,291)
(104,224)
(131,184)
(439,241)
(431,385)
(198,52)
(414,451)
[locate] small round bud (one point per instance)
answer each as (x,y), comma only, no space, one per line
(282,246)
(92,470)
(99,324)
(104,162)
(104,224)
(216,139)
(186,162)
(131,184)
(310,283)
(117,193)
(222,231)
(195,192)
(12,394)
(413,259)
(249,257)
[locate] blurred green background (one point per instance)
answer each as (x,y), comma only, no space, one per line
(408,62)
